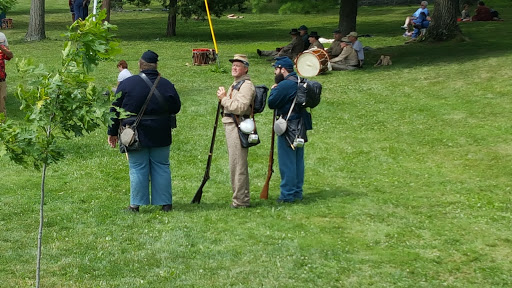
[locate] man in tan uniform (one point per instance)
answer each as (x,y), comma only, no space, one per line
(335,48)
(347,60)
(313,39)
(292,50)
(237,103)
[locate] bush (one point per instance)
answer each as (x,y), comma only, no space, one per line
(7,5)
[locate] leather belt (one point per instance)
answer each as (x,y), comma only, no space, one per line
(231,115)
(2,80)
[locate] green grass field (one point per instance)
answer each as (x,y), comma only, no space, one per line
(408,168)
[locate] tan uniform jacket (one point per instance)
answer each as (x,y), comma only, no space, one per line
(316,44)
(348,56)
(335,49)
(293,49)
(239,102)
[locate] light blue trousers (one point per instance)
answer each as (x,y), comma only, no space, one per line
(150,165)
(291,168)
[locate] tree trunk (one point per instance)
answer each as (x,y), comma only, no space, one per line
(171,19)
(444,21)
(348,15)
(106,5)
(36,30)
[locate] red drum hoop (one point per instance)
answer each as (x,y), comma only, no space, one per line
(203,56)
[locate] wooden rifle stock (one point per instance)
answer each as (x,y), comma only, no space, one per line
(264,191)
(199,193)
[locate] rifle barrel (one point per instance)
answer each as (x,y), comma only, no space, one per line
(199,192)
(264,190)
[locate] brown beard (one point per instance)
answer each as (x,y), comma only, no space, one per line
(278,78)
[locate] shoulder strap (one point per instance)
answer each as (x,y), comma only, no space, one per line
(139,116)
(238,85)
(157,94)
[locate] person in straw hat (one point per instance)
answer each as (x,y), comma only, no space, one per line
(347,60)
(236,104)
(357,45)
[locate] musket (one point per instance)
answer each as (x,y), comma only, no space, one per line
(264,191)
(199,193)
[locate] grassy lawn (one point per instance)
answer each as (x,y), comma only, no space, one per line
(407,169)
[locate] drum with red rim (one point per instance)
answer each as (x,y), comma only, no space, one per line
(312,62)
(203,56)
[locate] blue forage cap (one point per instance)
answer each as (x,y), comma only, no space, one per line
(150,57)
(303,28)
(283,62)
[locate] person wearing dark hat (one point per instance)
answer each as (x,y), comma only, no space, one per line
(236,106)
(335,48)
(149,166)
(313,40)
(303,30)
(347,60)
(290,153)
(292,50)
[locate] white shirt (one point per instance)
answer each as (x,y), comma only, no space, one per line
(125,73)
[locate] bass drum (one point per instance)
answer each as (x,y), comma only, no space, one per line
(312,62)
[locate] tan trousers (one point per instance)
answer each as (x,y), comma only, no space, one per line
(3,96)
(238,166)
(340,66)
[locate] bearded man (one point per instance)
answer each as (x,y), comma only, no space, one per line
(290,152)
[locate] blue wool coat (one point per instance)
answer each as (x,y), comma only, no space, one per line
(155,130)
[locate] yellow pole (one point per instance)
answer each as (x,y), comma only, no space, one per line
(211,26)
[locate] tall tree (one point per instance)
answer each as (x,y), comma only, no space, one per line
(105,4)
(348,15)
(444,21)
(36,30)
(171,19)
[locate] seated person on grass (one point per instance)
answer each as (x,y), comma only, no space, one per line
(419,24)
(409,19)
(482,13)
(347,60)
(292,50)
(353,39)
(464,15)
(313,40)
(335,48)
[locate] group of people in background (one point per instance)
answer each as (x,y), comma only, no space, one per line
(344,52)
(419,21)
(482,13)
